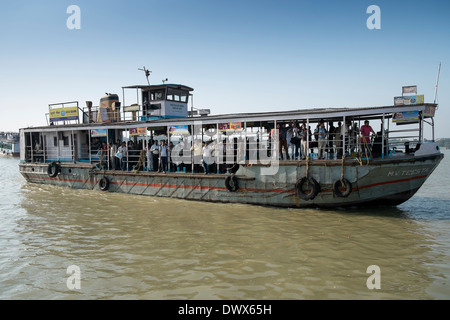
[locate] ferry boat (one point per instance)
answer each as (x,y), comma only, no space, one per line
(234,158)
(9,144)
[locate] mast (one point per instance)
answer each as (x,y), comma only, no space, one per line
(437,83)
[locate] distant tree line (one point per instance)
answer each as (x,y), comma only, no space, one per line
(444,143)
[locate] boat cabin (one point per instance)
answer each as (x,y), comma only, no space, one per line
(159,101)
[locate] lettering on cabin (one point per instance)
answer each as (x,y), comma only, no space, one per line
(411,172)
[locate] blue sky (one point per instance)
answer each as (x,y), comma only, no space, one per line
(239,56)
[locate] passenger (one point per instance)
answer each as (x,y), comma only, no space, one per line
(214,151)
(176,156)
(290,144)
(297,140)
(366,129)
(155,156)
(197,153)
(149,156)
(331,134)
(113,159)
(121,154)
(304,141)
(354,137)
(338,140)
(206,157)
(163,152)
(321,136)
(345,132)
(171,165)
(311,143)
(283,142)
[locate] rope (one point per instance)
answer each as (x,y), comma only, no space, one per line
(307,165)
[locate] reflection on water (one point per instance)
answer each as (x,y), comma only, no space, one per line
(135,247)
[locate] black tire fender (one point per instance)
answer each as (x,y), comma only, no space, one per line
(314,187)
(344,183)
(103,184)
(53,169)
(231,183)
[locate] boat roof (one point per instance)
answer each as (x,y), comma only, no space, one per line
(159,86)
(311,115)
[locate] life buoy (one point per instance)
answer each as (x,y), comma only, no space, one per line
(103,184)
(344,183)
(314,187)
(231,183)
(53,169)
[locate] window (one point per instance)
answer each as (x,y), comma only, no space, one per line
(66,140)
(177,95)
(157,95)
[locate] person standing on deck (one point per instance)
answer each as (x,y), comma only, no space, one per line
(283,141)
(155,155)
(365,130)
(122,154)
(289,135)
(197,153)
(331,134)
(338,140)
(163,152)
(322,139)
(206,157)
(304,141)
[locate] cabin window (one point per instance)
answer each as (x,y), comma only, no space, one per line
(177,95)
(157,95)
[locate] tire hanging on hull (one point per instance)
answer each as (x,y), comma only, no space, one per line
(315,188)
(53,169)
(342,183)
(231,183)
(103,184)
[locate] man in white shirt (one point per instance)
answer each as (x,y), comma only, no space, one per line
(163,152)
(122,155)
(155,156)
(206,157)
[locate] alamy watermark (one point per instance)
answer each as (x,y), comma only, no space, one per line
(74,280)
(228,147)
(74,20)
(374,21)
(374,281)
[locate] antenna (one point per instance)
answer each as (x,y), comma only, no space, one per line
(437,83)
(147,74)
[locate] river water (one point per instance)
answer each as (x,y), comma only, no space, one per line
(137,247)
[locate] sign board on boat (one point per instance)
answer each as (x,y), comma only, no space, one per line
(95,133)
(63,114)
(406,117)
(409,89)
(179,130)
(409,100)
(138,131)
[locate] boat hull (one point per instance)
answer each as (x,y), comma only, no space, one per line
(380,182)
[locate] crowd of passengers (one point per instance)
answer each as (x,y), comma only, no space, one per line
(296,142)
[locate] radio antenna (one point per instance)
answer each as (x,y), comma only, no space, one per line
(147,74)
(437,83)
